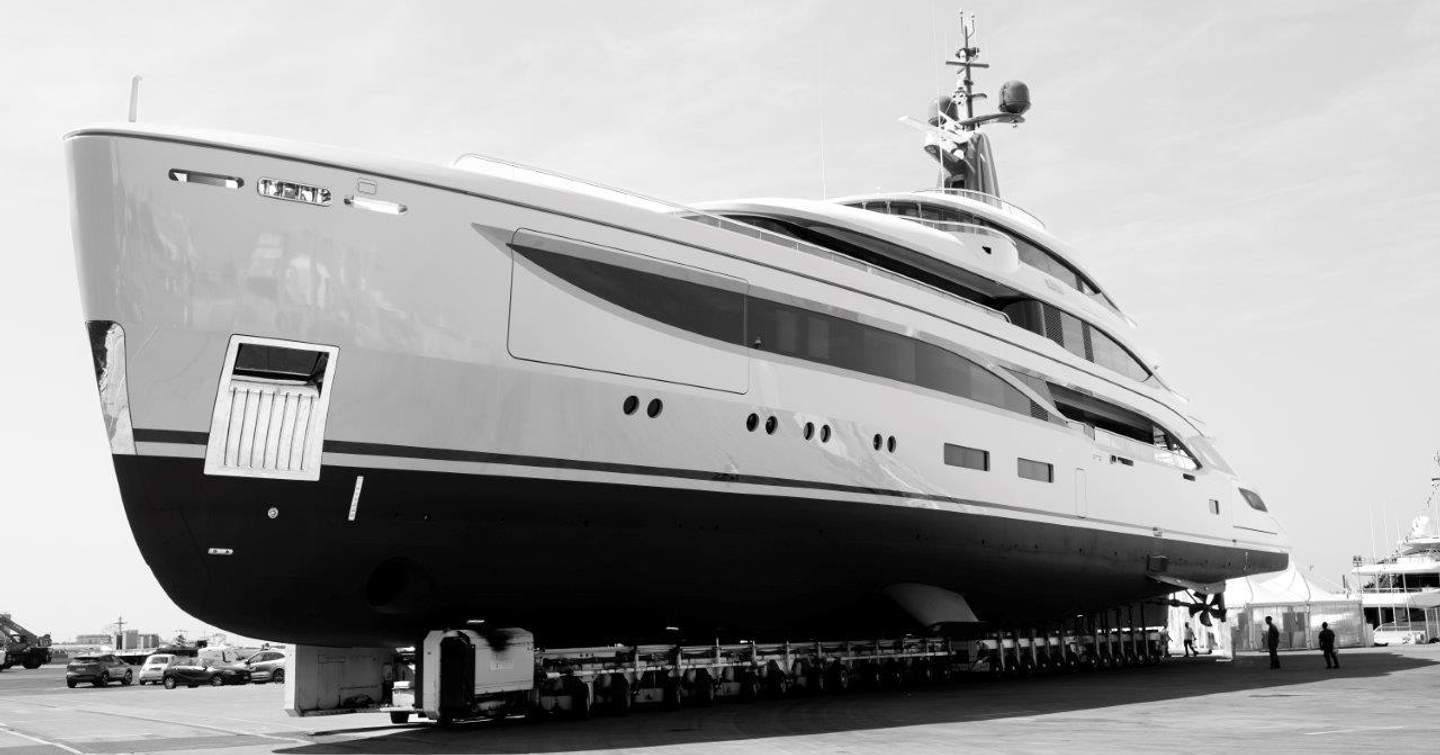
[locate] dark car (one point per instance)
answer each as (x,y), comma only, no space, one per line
(99,670)
(188,672)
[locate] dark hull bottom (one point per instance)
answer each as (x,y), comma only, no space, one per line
(583,563)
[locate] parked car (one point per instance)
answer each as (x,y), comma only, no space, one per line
(99,670)
(1399,633)
(267,666)
(153,671)
(188,672)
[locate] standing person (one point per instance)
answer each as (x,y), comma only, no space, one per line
(1190,642)
(1165,640)
(1272,642)
(1327,645)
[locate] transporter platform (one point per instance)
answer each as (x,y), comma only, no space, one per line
(1183,705)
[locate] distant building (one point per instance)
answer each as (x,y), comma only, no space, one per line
(94,639)
(149,641)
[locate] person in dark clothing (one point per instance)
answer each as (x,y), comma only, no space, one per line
(1272,642)
(1190,642)
(1327,645)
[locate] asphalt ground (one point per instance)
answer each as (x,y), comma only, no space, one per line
(1380,698)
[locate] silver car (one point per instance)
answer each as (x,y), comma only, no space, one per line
(267,666)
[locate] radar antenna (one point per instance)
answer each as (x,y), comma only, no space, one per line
(955,142)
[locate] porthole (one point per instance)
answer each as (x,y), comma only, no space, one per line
(631,404)
(655,407)
(809,430)
(752,422)
(890,444)
(877,441)
(824,433)
(771,424)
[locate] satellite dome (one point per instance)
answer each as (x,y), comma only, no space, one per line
(1014,97)
(944,105)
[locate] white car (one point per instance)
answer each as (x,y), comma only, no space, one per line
(1399,634)
(154,669)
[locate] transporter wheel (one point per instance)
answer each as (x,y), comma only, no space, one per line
(670,694)
(815,681)
(777,683)
(33,662)
(278,676)
(579,693)
(840,678)
(102,680)
(620,700)
(892,677)
(749,686)
(216,681)
(70,683)
(869,676)
(169,682)
(703,688)
(398,717)
(128,679)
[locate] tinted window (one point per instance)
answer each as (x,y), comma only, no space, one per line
(964,456)
(1030,253)
(1253,498)
(1113,356)
(1038,258)
(697,308)
(768,325)
(792,331)
(1036,470)
(1077,337)
(1102,414)
(887,256)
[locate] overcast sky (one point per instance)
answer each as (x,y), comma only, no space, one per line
(1255,183)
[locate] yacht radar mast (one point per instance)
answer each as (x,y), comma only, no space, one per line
(956,143)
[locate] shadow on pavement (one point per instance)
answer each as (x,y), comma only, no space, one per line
(965,701)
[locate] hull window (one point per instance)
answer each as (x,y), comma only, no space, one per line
(1253,498)
(969,458)
(1036,470)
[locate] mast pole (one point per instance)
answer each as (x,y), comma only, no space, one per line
(967,26)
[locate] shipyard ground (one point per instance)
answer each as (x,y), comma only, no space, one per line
(1381,697)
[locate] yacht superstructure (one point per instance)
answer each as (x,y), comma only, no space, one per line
(382,397)
(1401,591)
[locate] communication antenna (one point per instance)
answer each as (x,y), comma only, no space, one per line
(952,133)
(134,97)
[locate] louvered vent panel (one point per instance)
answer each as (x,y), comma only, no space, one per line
(270,411)
(268,426)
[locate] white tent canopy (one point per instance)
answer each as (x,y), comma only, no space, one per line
(1288,586)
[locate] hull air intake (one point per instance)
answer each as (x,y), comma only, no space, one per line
(270,410)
